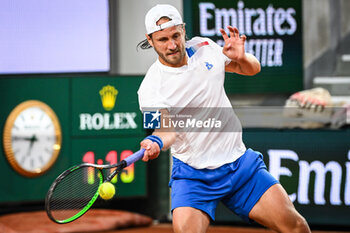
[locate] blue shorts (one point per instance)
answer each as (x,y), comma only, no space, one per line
(239,185)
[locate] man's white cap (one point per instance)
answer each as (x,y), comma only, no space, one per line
(159,11)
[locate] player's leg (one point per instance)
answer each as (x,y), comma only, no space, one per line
(195,194)
(275,210)
(190,220)
(258,196)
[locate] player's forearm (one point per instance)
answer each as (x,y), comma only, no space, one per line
(168,138)
(248,65)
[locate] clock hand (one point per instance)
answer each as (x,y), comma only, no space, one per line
(17,138)
(32,140)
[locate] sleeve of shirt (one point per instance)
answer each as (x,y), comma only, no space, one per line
(219,49)
(149,97)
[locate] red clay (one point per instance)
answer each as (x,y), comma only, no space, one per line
(104,221)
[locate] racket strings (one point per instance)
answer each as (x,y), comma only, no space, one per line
(74,193)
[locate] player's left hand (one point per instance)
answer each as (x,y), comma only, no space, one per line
(234,45)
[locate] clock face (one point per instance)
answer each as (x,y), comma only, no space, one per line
(32,138)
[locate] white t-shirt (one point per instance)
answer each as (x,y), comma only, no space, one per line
(199,84)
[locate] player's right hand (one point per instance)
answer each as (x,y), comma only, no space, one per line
(234,44)
(152,150)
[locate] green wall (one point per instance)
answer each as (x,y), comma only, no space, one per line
(70,97)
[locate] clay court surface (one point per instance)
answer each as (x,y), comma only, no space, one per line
(103,221)
(166,228)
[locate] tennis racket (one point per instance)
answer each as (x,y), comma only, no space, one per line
(74,191)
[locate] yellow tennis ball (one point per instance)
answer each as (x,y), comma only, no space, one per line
(106,190)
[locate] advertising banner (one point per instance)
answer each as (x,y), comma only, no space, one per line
(274,36)
(314,168)
(105,106)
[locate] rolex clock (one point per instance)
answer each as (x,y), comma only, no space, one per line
(32,138)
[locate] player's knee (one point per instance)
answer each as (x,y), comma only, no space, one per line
(178,228)
(190,220)
(185,228)
(301,225)
(298,225)
(179,225)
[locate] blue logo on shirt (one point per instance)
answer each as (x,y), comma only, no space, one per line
(208,65)
(151,119)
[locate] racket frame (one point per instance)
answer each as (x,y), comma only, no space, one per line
(119,166)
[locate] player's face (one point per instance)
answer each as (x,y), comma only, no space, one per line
(170,45)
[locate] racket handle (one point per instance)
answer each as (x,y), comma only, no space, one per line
(134,157)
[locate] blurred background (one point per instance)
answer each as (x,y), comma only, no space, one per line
(78,60)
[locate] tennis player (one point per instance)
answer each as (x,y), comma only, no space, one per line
(208,167)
